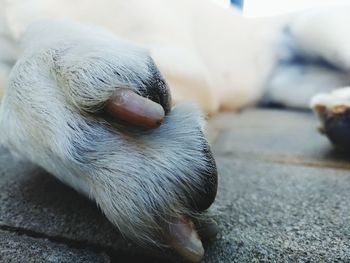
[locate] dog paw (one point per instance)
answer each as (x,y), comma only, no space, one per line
(79,104)
(333,110)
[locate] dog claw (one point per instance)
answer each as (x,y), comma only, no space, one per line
(183,237)
(128,106)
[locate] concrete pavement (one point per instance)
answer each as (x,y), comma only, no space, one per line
(283,197)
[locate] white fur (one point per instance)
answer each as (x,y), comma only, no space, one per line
(295,85)
(337,97)
(201,56)
(324,33)
(211,55)
(138,178)
(66,71)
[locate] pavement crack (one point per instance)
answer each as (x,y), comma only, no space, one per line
(75,244)
(113,254)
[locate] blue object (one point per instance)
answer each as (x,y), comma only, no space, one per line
(237,3)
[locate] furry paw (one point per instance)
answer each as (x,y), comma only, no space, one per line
(333,110)
(148,182)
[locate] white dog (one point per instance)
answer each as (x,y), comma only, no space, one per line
(58,76)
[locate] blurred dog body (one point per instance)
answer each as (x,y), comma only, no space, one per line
(207,53)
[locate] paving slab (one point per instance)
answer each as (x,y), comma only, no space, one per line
(33,201)
(16,248)
(283,197)
(272,135)
(271,212)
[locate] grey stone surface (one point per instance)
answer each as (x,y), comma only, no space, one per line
(279,136)
(283,197)
(271,212)
(33,200)
(16,248)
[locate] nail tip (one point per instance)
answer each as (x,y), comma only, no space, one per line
(192,249)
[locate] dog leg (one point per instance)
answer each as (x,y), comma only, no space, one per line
(147,182)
